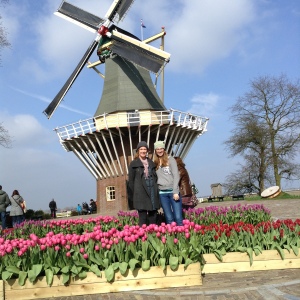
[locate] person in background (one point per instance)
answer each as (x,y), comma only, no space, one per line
(53,208)
(168,179)
(16,211)
(93,206)
(4,203)
(142,185)
(79,209)
(185,188)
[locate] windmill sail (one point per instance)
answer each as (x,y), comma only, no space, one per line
(58,98)
(79,16)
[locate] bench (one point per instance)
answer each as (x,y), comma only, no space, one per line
(238,197)
(64,214)
(220,198)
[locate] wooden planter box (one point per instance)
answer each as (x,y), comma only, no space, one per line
(155,278)
(240,262)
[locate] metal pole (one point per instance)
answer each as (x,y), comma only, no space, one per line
(162,82)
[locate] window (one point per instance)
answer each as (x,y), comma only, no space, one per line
(110,193)
(133,118)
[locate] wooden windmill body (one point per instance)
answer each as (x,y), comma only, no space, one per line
(129,111)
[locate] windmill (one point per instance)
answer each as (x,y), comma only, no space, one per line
(129,110)
(111,40)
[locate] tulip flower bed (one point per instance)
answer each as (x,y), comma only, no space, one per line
(107,246)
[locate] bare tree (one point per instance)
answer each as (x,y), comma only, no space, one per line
(249,139)
(3,33)
(5,139)
(274,103)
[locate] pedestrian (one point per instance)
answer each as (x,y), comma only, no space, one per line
(93,206)
(79,209)
(16,211)
(168,180)
(53,208)
(4,203)
(185,188)
(142,185)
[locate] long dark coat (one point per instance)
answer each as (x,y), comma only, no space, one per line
(184,182)
(138,193)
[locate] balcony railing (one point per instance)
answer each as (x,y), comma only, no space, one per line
(171,117)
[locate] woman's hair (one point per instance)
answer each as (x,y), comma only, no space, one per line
(136,156)
(164,160)
(179,161)
(15,192)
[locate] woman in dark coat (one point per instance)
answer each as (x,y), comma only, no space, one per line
(185,189)
(142,185)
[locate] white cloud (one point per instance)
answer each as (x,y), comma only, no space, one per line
(204,103)
(26,131)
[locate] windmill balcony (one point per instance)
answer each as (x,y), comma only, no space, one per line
(132,119)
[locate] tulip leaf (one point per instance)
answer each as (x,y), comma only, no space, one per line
(188,261)
(65,278)
(13,269)
(241,249)
(75,270)
(65,270)
(22,277)
(109,273)
(105,263)
(218,255)
(31,276)
(37,269)
(250,254)
(146,265)
(257,250)
(295,250)
(280,251)
(6,275)
(82,275)
(162,263)
(55,270)
(49,276)
(123,267)
(173,263)
(132,263)
(94,268)
(115,266)
(93,258)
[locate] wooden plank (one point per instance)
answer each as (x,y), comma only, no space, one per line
(239,256)
(154,272)
(256,266)
(104,287)
(155,278)
(2,284)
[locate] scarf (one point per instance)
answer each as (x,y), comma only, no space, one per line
(146,166)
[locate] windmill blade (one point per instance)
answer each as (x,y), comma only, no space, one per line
(79,16)
(118,10)
(138,52)
(59,97)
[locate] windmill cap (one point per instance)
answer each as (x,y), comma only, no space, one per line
(159,144)
(142,144)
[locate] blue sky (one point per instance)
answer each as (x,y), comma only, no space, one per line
(216,46)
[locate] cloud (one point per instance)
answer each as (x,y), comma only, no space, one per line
(199,33)
(204,103)
(26,131)
(47,100)
(39,168)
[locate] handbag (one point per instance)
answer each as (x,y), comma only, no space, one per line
(190,201)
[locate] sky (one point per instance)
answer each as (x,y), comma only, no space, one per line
(216,46)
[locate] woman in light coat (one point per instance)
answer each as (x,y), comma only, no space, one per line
(16,211)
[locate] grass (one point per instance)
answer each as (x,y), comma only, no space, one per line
(282,196)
